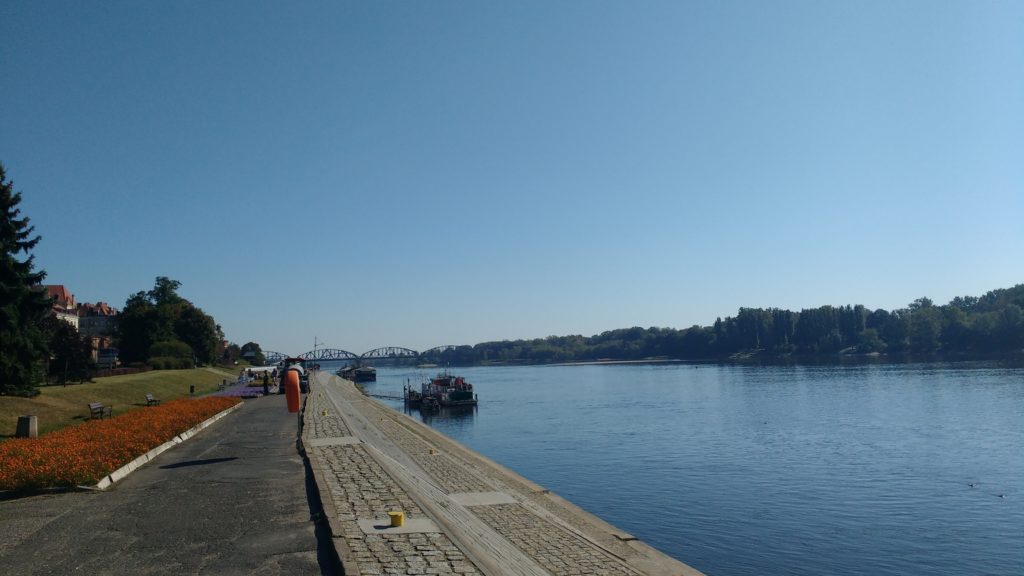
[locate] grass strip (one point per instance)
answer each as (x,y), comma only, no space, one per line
(59,406)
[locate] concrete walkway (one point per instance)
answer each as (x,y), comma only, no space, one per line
(464,513)
(234,499)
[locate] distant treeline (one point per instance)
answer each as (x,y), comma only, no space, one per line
(993,323)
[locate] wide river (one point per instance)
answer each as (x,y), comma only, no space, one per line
(901,469)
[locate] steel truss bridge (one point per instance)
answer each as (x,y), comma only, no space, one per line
(384,353)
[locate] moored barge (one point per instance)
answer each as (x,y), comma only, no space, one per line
(358,373)
(442,390)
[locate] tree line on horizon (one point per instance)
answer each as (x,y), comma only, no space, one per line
(967,325)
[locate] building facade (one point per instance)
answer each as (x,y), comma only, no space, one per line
(63,303)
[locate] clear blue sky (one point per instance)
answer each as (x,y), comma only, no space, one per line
(426,173)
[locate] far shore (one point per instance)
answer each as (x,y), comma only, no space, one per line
(601,362)
(751,357)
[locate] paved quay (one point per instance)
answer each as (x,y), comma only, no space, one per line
(463,513)
(236,498)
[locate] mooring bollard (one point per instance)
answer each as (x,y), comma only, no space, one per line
(28,427)
(397,519)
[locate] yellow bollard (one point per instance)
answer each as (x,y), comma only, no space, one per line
(397,519)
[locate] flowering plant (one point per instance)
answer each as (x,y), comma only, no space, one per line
(86,453)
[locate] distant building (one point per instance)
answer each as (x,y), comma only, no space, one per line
(97,319)
(94,321)
(63,303)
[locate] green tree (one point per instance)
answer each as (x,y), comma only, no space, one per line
(956,332)
(922,303)
(70,353)
(136,328)
(1010,328)
(23,304)
(869,341)
(894,330)
(251,351)
(231,353)
(165,291)
(925,328)
(161,315)
(197,329)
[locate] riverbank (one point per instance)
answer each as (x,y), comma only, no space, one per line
(766,358)
(614,362)
(464,513)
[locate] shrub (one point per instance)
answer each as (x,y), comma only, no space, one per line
(170,348)
(170,363)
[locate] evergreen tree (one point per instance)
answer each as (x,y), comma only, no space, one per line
(23,304)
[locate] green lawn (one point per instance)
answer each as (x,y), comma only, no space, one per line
(59,406)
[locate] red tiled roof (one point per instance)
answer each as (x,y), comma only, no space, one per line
(61,294)
(97,309)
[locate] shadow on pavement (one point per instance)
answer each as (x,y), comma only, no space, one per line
(326,554)
(198,462)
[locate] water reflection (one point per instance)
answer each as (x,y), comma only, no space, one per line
(458,416)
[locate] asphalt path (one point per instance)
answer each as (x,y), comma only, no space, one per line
(237,498)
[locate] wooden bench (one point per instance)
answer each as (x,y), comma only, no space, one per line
(98,410)
(151,401)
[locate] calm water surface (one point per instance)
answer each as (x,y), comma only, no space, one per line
(743,470)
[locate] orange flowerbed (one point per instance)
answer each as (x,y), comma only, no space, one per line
(84,454)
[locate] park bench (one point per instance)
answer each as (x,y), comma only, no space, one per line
(98,410)
(151,401)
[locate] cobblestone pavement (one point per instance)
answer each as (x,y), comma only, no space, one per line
(488,519)
(445,470)
(358,489)
(430,553)
(326,422)
(558,550)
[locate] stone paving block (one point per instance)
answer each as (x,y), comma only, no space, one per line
(329,425)
(559,551)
